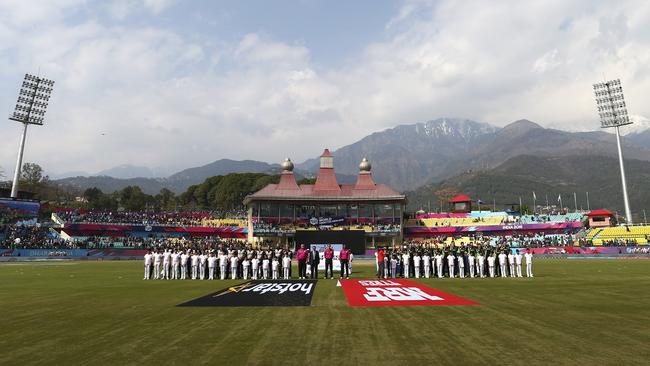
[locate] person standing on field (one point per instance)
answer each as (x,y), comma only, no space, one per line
(195,265)
(416,264)
(406,258)
(157,258)
(314,261)
(286,264)
(275,267)
(223,263)
(147,265)
(461,265)
(450,263)
(471,259)
(344,257)
(481,264)
(255,265)
(380,263)
(302,255)
(234,262)
(439,263)
(329,260)
(212,264)
(184,258)
(503,264)
(518,263)
(167,256)
(426,259)
(511,261)
(529,263)
(491,260)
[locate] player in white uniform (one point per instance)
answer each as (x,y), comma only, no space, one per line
(195,265)
(491,259)
(529,264)
(481,265)
(184,258)
(203,261)
(405,260)
(265,268)
(511,262)
(439,264)
(212,265)
(223,262)
(255,266)
(275,267)
(416,264)
(286,264)
(246,265)
(461,266)
(147,265)
(167,261)
(350,263)
(450,264)
(471,261)
(157,258)
(503,264)
(176,259)
(427,264)
(234,263)
(518,263)
(393,266)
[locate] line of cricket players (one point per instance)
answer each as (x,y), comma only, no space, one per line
(452,263)
(228,263)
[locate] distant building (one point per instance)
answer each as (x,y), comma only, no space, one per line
(278,212)
(600,218)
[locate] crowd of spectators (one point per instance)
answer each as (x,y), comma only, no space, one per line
(149,218)
(31,237)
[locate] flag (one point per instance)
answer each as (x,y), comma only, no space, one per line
(559,198)
(479,202)
(534,196)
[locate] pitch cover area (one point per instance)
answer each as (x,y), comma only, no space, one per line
(261,293)
(397,292)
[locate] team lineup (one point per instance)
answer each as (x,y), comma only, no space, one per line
(248,263)
(416,262)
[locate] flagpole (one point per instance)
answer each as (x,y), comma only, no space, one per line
(575,201)
(534,203)
(588,208)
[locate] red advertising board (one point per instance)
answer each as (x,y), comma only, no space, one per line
(397,292)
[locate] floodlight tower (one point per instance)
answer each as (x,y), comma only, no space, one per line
(613,113)
(30,110)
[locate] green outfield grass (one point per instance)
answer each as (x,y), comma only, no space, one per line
(590,312)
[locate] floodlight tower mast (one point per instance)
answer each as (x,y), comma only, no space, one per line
(30,110)
(613,113)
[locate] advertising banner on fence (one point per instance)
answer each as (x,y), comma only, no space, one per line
(261,293)
(397,292)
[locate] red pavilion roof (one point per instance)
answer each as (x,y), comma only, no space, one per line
(460,198)
(602,212)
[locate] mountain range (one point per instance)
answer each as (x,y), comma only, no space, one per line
(410,156)
(550,178)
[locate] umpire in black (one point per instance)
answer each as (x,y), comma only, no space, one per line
(314,260)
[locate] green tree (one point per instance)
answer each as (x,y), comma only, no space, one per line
(133,199)
(165,199)
(32,178)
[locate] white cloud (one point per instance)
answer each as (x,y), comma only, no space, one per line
(166,98)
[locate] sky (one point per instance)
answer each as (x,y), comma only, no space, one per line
(172,84)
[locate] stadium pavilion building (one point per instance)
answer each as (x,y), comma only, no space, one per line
(363,215)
